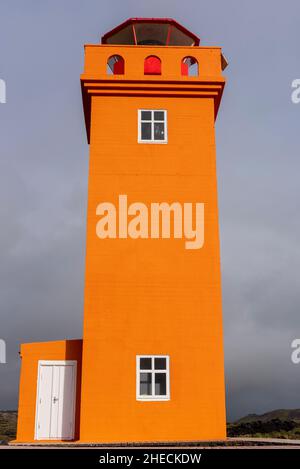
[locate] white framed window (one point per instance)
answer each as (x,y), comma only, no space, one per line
(152,126)
(153,377)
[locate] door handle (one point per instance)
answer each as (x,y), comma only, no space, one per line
(55,399)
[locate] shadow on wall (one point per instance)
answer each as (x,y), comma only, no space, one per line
(72,353)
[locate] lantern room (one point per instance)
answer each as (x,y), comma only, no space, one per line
(151,32)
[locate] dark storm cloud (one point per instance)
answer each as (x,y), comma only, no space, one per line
(44,163)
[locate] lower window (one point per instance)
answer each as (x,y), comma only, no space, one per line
(153,377)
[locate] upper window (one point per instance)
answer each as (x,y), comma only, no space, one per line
(189,67)
(152,65)
(152,377)
(152,126)
(115,65)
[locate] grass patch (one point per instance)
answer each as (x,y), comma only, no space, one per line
(8,425)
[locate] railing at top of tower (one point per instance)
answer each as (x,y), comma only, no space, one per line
(153,63)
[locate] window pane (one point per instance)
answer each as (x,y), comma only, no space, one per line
(146,115)
(159,115)
(160,384)
(145,364)
(160,364)
(159,131)
(146,131)
(145,384)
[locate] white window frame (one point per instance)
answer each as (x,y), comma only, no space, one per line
(165,121)
(153,397)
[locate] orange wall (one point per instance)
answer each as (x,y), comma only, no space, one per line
(30,355)
(149,296)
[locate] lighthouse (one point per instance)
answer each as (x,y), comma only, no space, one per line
(150,364)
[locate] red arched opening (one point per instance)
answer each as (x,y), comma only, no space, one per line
(115,65)
(189,67)
(152,65)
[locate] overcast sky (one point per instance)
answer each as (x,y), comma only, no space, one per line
(43,187)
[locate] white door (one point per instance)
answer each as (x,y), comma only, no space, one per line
(56,392)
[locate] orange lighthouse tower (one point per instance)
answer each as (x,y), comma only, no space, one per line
(150,366)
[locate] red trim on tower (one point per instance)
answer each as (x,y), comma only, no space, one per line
(169,34)
(134,34)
